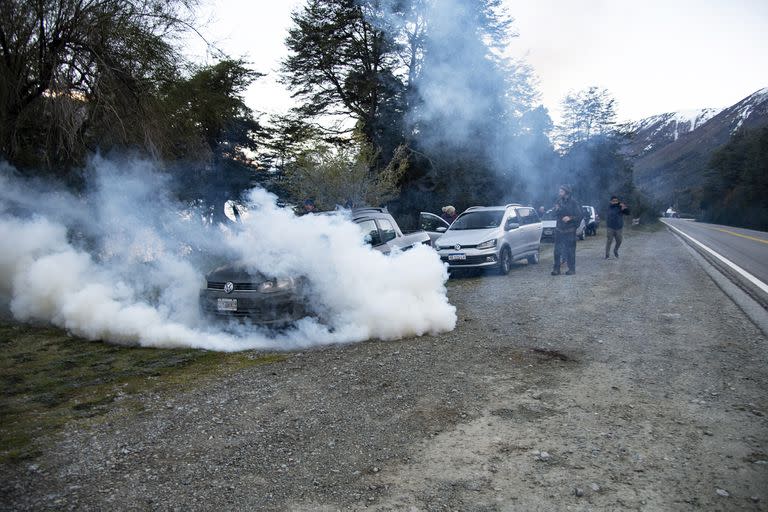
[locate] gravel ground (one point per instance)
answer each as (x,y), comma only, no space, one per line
(634,385)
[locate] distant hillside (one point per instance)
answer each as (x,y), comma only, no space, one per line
(670,152)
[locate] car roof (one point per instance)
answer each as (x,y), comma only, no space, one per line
(492,208)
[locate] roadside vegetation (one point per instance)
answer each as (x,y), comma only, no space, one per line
(416,99)
(51,379)
(737,182)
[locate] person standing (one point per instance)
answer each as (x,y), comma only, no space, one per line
(614,225)
(449,214)
(308,206)
(568,214)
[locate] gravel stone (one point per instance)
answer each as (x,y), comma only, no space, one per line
(415,424)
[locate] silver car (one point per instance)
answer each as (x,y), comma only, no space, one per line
(549,225)
(491,237)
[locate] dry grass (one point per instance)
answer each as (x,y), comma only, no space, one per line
(50,379)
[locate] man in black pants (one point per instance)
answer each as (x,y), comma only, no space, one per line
(614,225)
(568,213)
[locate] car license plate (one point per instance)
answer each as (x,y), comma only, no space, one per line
(226,304)
(457,257)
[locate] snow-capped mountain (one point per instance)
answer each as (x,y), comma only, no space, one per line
(662,129)
(671,151)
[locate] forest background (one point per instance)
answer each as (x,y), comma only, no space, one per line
(401,103)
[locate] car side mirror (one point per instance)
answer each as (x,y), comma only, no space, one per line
(442,229)
(372,239)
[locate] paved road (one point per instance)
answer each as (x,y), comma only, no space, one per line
(744,247)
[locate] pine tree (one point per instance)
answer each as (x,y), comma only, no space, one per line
(587,113)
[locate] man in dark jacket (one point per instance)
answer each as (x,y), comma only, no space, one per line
(614,225)
(568,214)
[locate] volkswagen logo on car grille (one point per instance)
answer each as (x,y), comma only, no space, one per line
(457,247)
(228,287)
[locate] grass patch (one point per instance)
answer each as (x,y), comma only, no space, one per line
(49,379)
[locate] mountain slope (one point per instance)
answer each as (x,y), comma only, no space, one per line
(670,152)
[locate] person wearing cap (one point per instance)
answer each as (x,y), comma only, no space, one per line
(449,214)
(568,214)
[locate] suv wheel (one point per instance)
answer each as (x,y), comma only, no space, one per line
(505,263)
(533,259)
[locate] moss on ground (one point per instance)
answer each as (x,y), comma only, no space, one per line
(50,379)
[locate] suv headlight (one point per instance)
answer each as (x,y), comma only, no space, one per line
(277,285)
(490,244)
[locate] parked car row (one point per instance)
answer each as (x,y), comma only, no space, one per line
(233,291)
(481,237)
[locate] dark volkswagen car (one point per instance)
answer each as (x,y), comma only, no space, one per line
(232,291)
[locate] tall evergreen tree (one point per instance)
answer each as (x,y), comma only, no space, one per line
(342,64)
(467,103)
(587,113)
(213,134)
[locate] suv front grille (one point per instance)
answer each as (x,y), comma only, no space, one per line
(471,260)
(451,247)
(213,285)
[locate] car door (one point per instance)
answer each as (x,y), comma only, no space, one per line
(537,228)
(388,235)
(372,236)
(529,229)
(514,236)
(434,226)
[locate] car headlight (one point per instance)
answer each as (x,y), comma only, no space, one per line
(487,245)
(277,285)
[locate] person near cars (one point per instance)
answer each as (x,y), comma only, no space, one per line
(614,225)
(568,214)
(449,214)
(308,206)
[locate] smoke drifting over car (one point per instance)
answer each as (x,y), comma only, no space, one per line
(124,263)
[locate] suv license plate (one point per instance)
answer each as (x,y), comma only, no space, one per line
(457,257)
(226,304)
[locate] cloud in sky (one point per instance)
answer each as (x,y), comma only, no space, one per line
(654,56)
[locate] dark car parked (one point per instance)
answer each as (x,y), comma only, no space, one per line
(232,291)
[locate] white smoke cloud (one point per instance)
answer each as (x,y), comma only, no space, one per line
(124,263)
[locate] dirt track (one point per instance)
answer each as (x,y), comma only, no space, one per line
(634,385)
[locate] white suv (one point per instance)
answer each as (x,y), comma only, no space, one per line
(491,236)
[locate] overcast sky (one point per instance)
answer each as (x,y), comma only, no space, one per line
(653,56)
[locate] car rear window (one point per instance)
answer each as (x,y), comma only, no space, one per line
(478,220)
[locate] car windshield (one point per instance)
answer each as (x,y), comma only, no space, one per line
(478,220)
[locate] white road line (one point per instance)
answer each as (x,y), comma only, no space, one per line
(746,275)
